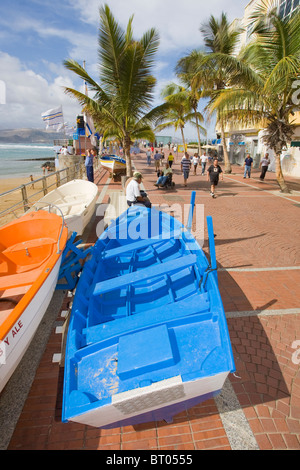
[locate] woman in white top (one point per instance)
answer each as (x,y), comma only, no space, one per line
(196,160)
(204,160)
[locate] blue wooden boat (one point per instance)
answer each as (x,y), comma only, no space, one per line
(148,336)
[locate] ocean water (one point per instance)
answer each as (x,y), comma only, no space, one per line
(20,159)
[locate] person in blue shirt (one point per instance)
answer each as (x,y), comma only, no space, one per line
(248,165)
(89,164)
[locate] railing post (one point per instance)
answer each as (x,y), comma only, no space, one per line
(57,174)
(24,198)
(45,189)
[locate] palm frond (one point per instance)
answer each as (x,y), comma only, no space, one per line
(112,43)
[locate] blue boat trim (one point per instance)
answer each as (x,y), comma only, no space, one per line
(148,332)
(113,157)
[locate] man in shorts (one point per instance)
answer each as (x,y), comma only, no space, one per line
(186,164)
(213,173)
(157,160)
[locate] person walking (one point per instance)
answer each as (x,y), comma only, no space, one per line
(157,159)
(148,153)
(196,160)
(170,159)
(185,167)
(248,166)
(204,160)
(175,150)
(213,173)
(264,165)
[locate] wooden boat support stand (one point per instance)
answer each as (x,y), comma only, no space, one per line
(147,335)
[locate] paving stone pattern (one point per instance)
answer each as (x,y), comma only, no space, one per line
(257,233)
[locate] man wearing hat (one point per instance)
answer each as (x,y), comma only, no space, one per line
(133,193)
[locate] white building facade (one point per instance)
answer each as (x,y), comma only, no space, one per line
(241,141)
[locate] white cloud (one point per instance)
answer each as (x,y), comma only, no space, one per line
(32,89)
(28,95)
(177,21)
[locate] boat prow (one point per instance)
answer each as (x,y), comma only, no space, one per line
(113,163)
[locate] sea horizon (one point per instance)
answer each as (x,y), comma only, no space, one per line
(23,160)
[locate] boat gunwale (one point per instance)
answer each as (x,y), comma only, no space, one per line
(89,200)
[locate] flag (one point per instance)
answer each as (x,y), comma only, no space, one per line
(89,125)
(69,129)
(53,118)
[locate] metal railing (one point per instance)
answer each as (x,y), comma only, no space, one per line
(19,200)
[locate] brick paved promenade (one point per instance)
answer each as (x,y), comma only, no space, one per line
(257,244)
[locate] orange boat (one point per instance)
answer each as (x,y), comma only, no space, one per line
(30,257)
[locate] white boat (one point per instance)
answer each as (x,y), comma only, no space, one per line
(113,163)
(74,200)
(30,257)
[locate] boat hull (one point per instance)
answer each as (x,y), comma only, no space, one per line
(19,337)
(148,335)
(113,164)
(160,401)
(30,258)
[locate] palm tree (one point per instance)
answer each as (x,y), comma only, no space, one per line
(266,96)
(180,110)
(121,105)
(185,69)
(220,40)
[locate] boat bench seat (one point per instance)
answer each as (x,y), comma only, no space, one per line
(138,245)
(144,274)
(34,243)
(20,279)
(22,262)
(65,207)
(70,204)
(195,304)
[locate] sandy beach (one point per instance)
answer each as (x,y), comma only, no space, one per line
(7,184)
(34,193)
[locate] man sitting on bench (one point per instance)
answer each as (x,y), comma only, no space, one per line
(133,193)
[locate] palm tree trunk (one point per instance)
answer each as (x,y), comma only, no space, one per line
(227,168)
(279,174)
(183,139)
(127,144)
(198,132)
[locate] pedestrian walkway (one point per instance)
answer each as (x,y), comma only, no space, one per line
(257,245)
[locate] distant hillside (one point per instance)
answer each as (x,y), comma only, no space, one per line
(27,136)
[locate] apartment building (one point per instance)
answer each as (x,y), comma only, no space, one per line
(241,141)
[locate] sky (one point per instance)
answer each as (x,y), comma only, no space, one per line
(36,36)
